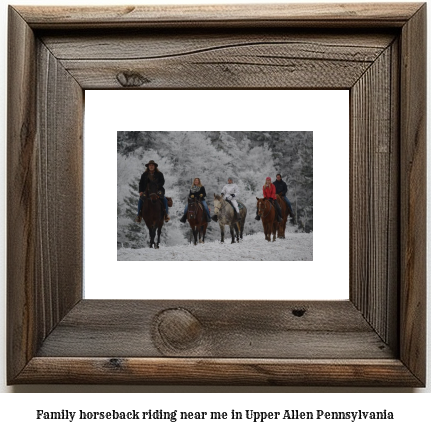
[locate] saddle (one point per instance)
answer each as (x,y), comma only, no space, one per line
(169,199)
(240,204)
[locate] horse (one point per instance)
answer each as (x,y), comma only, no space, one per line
(152,212)
(285,212)
(225,215)
(268,215)
(197,220)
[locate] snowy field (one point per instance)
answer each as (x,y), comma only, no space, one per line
(296,247)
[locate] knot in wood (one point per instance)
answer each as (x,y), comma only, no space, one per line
(131,79)
(298,312)
(178,329)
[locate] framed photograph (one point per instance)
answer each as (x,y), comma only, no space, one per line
(222,175)
(376,337)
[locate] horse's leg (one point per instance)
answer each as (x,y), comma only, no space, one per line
(236,231)
(154,238)
(204,230)
(232,233)
(151,230)
(222,232)
(274,231)
(159,232)
(195,235)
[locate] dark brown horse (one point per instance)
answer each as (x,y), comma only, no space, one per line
(285,212)
(153,214)
(268,215)
(197,220)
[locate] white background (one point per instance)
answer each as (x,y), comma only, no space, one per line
(18,410)
(324,112)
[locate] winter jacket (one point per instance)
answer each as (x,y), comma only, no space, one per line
(269,192)
(158,178)
(280,187)
(230,189)
(198,194)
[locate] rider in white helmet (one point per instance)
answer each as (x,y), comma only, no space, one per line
(230,193)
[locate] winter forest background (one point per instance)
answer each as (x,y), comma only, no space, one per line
(248,157)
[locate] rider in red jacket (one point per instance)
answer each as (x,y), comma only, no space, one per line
(269,194)
(269,191)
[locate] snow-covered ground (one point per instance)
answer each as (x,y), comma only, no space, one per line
(296,247)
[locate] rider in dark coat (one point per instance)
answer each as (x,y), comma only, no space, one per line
(146,178)
(152,175)
(281,189)
(197,190)
(280,186)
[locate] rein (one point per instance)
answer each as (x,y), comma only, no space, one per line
(223,204)
(192,211)
(152,194)
(266,201)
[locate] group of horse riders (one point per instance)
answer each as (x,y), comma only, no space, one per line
(230,193)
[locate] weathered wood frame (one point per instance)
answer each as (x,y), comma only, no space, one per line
(376,338)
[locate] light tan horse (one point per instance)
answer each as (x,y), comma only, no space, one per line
(225,215)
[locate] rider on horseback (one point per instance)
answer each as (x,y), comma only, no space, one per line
(154,176)
(197,191)
(230,193)
(269,194)
(281,189)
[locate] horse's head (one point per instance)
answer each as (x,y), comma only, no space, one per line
(261,204)
(192,207)
(218,200)
(152,191)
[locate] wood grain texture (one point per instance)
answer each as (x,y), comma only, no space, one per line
(300,14)
(413,194)
(285,63)
(59,184)
(374,195)
(44,193)
(198,371)
(53,336)
(21,197)
(141,44)
(227,329)
(253,59)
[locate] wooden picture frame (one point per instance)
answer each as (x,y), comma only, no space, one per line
(376,338)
